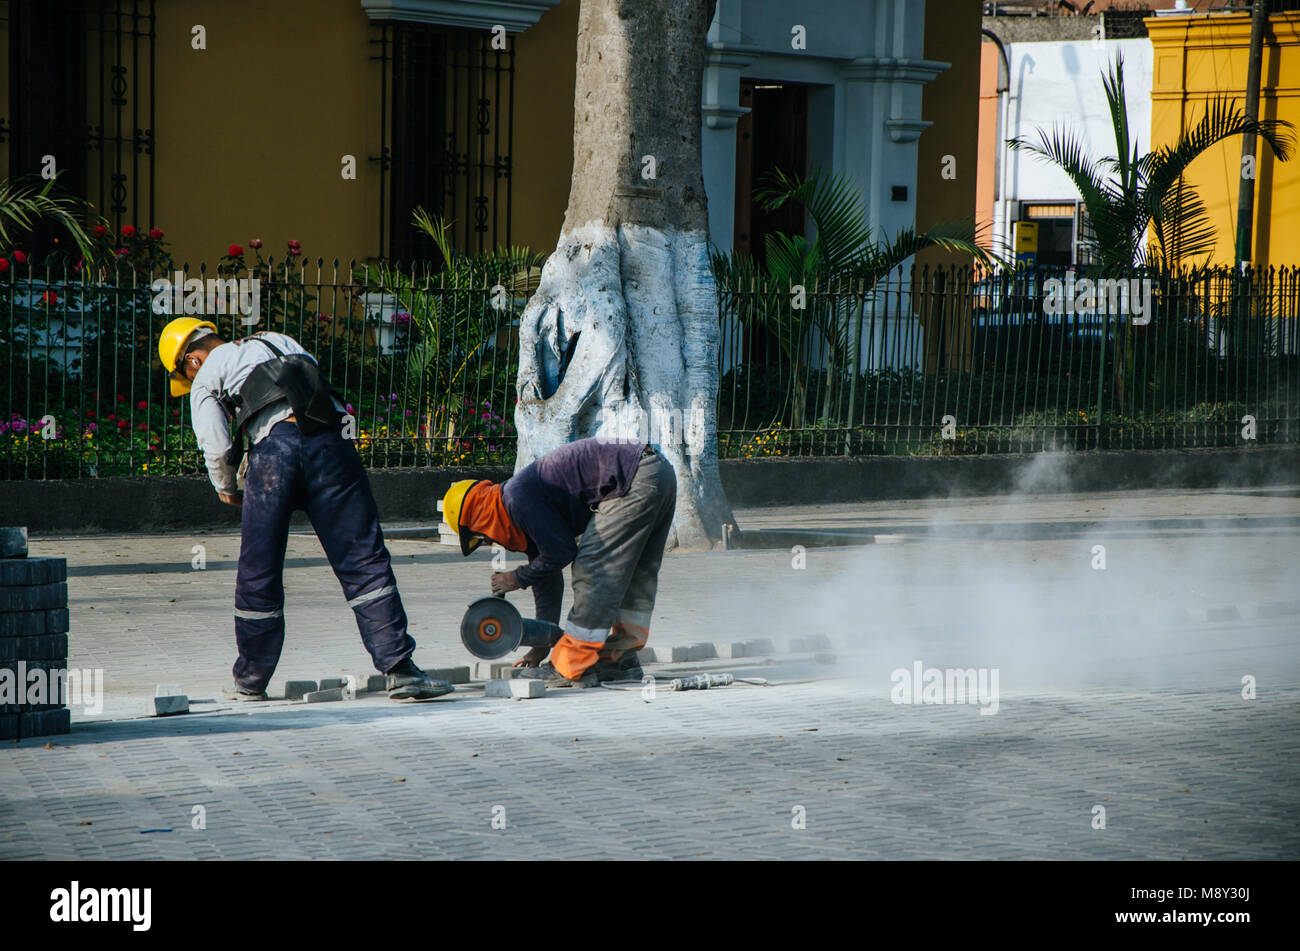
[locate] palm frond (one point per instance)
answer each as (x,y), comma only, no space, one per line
(23,205)
(834,204)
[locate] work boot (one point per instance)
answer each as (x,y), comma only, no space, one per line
(408,682)
(548,675)
(239,693)
(626,667)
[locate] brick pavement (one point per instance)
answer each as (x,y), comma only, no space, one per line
(1104,700)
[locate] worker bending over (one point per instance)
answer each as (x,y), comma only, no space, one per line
(617,500)
(297,459)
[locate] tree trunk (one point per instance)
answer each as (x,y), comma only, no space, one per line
(621,338)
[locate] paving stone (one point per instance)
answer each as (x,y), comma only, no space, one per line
(13,541)
(1278,608)
(493,670)
(44,647)
(453,675)
(518,688)
(34,597)
(297,689)
(166,706)
(1227,612)
(18,673)
(682,653)
(809,644)
(22,623)
(824,657)
(324,696)
(9,726)
(32,571)
(45,723)
(331,683)
(375,683)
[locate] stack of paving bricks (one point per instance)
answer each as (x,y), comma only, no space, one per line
(33,636)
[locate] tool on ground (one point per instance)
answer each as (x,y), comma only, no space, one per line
(493,627)
(702,682)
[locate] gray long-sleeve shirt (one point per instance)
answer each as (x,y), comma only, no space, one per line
(224,371)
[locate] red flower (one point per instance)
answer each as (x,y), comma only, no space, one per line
(255,243)
(122,252)
(90,413)
(20,257)
(128,231)
(4,265)
(121,398)
(142,427)
(293,245)
(155,233)
(100,230)
(122,424)
(49,297)
(142,405)
(111,416)
(235,251)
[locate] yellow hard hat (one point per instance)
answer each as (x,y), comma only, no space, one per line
(451,506)
(171,347)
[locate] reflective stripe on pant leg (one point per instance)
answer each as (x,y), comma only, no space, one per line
(342,510)
(271,489)
(614,544)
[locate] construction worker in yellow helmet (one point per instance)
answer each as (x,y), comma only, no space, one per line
(297,459)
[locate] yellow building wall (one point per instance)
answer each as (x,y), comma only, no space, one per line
(545,72)
(951,101)
(251,131)
(1199,57)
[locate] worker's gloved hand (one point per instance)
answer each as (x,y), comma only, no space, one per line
(533,658)
(503,581)
(236,499)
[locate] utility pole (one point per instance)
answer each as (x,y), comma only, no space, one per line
(1246,187)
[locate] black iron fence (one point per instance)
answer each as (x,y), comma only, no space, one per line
(923,362)
(942,361)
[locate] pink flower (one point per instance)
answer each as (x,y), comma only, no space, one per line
(255,243)
(156,233)
(142,405)
(294,245)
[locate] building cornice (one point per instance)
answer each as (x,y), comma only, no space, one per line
(515,15)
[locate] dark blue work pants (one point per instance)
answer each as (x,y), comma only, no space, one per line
(323,475)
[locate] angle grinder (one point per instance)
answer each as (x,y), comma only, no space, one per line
(493,627)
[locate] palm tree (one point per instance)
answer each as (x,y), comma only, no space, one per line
(1142,211)
(1128,195)
(24,205)
(456,315)
(843,263)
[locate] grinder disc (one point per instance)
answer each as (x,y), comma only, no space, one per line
(491,628)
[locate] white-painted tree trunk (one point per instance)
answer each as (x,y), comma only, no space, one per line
(620,340)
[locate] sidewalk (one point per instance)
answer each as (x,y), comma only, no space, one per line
(1119,687)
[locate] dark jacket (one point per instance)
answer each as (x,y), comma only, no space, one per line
(552,500)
